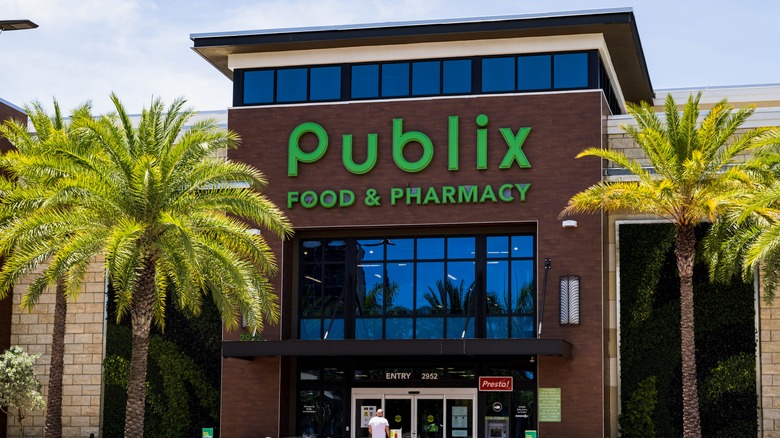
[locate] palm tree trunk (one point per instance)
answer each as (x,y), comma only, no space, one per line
(685,250)
(54,398)
(141,313)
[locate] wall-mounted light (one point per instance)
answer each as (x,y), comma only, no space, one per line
(569,224)
(570,300)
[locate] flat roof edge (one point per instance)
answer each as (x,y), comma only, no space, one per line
(413,23)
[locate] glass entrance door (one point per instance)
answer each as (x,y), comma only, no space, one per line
(416,413)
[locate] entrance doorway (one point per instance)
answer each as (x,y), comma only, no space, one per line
(416,412)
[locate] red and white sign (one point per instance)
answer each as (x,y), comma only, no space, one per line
(495,383)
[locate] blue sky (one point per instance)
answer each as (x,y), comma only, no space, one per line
(85,49)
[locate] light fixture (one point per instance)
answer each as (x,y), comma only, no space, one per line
(16,25)
(570,300)
(569,224)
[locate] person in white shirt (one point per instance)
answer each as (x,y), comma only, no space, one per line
(378,426)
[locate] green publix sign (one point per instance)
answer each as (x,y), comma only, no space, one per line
(462,194)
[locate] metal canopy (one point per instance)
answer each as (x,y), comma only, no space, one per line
(396,347)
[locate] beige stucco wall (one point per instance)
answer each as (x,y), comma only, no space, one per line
(84,351)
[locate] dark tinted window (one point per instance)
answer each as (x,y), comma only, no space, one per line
(571,70)
(325,83)
(258,86)
(534,72)
(457,76)
(291,85)
(395,80)
(365,81)
(426,78)
(498,74)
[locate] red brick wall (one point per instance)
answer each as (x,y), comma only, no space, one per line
(562,125)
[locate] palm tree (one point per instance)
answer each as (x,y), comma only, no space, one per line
(23,184)
(695,170)
(154,200)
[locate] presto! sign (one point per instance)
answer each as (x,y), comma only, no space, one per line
(299,158)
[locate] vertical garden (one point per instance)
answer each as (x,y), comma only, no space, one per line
(650,363)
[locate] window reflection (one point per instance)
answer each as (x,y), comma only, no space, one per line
(417,288)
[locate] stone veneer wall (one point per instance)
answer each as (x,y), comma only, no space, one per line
(84,351)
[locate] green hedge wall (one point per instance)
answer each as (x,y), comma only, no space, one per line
(182,379)
(650,342)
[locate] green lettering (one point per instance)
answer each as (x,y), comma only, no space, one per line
(487,194)
(482,122)
(294,152)
(346,198)
(522,188)
(467,194)
(348,159)
(448,194)
(452,136)
(396,193)
(328,199)
(515,145)
(431,196)
(413,193)
(401,139)
(505,193)
(292,198)
(309,199)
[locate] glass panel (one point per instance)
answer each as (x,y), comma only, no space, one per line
(312,250)
(335,250)
(310,375)
(399,297)
(291,85)
(332,414)
(334,328)
(308,421)
(365,81)
(430,248)
(497,293)
(311,329)
(459,287)
(399,413)
(455,325)
(370,374)
(460,248)
(430,327)
(498,74)
(258,87)
(430,418)
(370,287)
(497,327)
(571,70)
(430,288)
(333,303)
(332,374)
(426,78)
(395,79)
(525,412)
(325,83)
(400,249)
(371,249)
(364,408)
(523,327)
(398,328)
(522,246)
(368,328)
(497,247)
(310,299)
(534,72)
(459,417)
(460,373)
(457,76)
(523,292)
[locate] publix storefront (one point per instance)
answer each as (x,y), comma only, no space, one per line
(424,166)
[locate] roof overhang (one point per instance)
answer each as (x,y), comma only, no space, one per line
(416,347)
(617,25)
